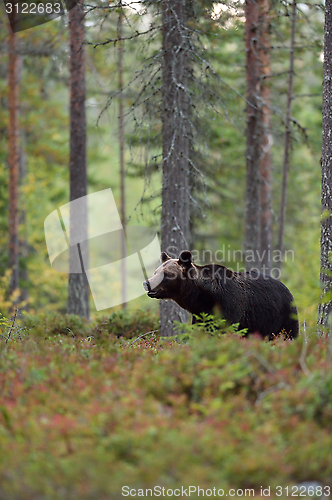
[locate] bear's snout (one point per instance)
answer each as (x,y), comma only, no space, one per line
(146,286)
(152,291)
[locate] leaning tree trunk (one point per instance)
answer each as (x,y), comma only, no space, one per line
(13,158)
(252,213)
(78,288)
(325,306)
(175,233)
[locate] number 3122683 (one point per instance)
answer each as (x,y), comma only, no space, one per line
(303,491)
(34,8)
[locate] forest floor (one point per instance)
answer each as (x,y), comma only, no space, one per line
(86,414)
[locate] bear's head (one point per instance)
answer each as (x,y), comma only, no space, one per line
(168,279)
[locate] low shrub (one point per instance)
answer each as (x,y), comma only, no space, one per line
(53,323)
(81,418)
(119,323)
(129,324)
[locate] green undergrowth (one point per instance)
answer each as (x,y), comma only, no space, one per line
(120,323)
(82,415)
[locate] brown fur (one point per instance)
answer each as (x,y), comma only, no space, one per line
(257,302)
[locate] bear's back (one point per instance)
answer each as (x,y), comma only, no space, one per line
(257,301)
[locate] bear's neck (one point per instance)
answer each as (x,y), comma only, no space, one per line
(196,294)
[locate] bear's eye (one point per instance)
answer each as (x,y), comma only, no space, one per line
(168,275)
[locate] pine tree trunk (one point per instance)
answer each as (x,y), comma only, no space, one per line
(258,217)
(175,232)
(325,306)
(252,214)
(23,241)
(285,168)
(265,138)
(122,160)
(13,158)
(78,288)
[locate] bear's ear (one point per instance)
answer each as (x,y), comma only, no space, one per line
(164,257)
(185,259)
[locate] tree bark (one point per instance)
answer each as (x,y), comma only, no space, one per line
(23,240)
(266,140)
(78,288)
(175,230)
(13,158)
(287,137)
(122,160)
(325,306)
(258,215)
(252,213)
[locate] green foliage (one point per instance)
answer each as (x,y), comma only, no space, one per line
(207,323)
(4,325)
(81,419)
(119,323)
(49,324)
(10,331)
(128,324)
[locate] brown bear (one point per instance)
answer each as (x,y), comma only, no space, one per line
(258,302)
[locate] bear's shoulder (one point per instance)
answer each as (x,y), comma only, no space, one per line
(215,271)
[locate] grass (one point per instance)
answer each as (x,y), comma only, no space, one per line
(86,413)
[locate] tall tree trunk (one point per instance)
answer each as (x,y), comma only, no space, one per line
(13,157)
(23,241)
(258,217)
(175,232)
(287,136)
(78,288)
(325,306)
(265,137)
(122,163)
(252,214)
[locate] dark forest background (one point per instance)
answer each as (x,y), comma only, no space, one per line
(218,83)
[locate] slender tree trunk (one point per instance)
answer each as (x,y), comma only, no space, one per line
(266,140)
(175,232)
(78,288)
(325,306)
(122,163)
(252,214)
(287,136)
(13,158)
(23,241)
